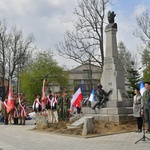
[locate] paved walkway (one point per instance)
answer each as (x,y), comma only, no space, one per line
(22,138)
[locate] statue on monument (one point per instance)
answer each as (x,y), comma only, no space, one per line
(111,16)
(101,96)
(111,20)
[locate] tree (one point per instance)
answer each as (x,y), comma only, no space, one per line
(3,43)
(125,56)
(86,41)
(145,53)
(143,30)
(14,50)
(42,67)
(143,33)
(133,78)
(128,63)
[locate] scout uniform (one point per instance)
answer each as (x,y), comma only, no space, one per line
(59,105)
(22,109)
(66,105)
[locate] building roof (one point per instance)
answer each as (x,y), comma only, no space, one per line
(86,68)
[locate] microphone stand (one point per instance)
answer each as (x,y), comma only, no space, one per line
(143,137)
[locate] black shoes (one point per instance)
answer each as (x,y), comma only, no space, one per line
(139,131)
(148,131)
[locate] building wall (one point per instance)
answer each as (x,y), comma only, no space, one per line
(82,77)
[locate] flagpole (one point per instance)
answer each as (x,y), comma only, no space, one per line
(9,82)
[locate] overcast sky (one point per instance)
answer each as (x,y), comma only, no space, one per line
(49,19)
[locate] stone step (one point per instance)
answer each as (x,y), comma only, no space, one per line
(79,122)
(114,111)
(104,117)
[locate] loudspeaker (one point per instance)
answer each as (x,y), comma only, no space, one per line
(2,93)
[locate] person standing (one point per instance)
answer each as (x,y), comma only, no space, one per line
(54,110)
(16,112)
(146,105)
(137,109)
(49,100)
(22,109)
(66,105)
(5,111)
(37,106)
(59,105)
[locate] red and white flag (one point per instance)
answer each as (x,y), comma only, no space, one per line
(43,90)
(76,99)
(44,93)
(10,102)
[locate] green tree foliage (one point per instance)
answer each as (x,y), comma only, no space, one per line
(42,67)
(146,63)
(129,66)
(133,78)
(125,56)
(146,73)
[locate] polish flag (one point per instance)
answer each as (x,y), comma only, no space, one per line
(76,99)
(10,102)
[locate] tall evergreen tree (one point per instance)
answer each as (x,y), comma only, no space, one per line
(133,78)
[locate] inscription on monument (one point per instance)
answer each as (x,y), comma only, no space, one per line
(108,63)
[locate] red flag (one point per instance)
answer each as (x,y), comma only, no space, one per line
(44,93)
(77,98)
(10,102)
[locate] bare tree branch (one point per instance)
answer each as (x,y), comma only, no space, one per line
(87,39)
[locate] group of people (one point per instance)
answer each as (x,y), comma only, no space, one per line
(141,107)
(17,115)
(57,106)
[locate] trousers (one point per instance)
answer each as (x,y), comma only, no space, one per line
(147,117)
(139,122)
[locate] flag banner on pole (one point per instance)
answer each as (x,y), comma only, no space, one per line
(10,102)
(76,99)
(142,87)
(92,96)
(44,93)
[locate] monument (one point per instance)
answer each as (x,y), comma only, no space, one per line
(112,76)
(118,108)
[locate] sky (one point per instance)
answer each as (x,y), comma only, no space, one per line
(48,20)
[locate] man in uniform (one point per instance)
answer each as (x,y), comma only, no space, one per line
(146,105)
(59,105)
(66,105)
(49,100)
(22,109)
(16,113)
(5,111)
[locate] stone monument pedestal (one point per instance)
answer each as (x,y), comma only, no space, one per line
(118,108)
